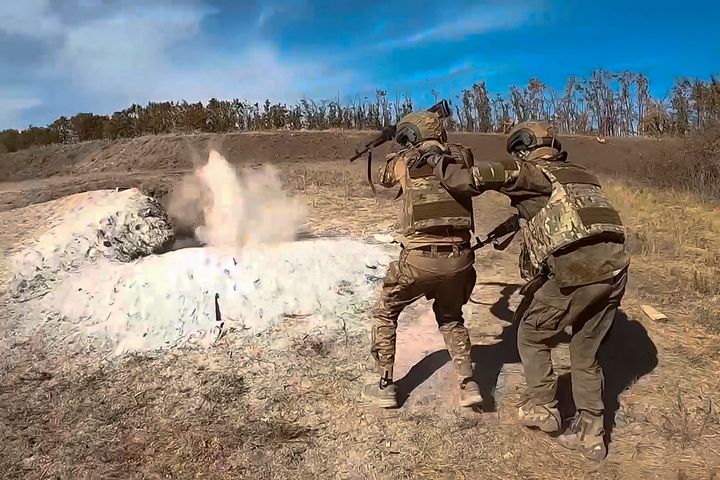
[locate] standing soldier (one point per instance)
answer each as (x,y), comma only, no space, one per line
(575,262)
(435,262)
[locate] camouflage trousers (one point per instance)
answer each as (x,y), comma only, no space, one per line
(446,278)
(544,315)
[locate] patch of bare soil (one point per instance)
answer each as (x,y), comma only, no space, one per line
(243,410)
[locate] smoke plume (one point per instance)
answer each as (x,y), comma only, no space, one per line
(227,210)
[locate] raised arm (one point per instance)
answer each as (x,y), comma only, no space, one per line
(463,181)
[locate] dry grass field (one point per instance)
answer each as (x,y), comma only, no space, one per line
(244,410)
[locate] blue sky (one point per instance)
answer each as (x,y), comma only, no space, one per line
(60,57)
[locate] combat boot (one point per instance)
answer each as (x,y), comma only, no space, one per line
(545,417)
(381,394)
(470,394)
(587,435)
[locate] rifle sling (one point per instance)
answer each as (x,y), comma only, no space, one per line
(369,173)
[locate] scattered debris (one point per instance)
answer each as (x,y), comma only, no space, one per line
(653,314)
(383,238)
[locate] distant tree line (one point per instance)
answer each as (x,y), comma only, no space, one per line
(606,104)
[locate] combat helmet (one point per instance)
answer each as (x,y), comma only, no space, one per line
(416,127)
(528,136)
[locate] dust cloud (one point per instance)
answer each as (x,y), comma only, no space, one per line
(227,210)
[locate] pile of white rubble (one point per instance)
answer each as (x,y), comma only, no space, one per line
(84,228)
(100,269)
(322,286)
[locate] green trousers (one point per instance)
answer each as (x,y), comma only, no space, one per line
(590,311)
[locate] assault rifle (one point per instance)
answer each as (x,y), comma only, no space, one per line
(442,109)
(507,228)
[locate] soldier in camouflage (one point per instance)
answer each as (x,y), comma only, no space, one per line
(575,262)
(435,262)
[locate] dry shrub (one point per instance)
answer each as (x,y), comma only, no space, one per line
(687,425)
(702,156)
(675,237)
(695,167)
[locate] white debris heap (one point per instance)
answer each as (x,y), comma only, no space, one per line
(195,293)
(252,276)
(86,227)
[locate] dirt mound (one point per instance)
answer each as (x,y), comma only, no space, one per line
(180,152)
(251,274)
(320,286)
(87,227)
(175,152)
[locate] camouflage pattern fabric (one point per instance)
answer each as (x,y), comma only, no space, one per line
(461,154)
(428,206)
(577,209)
(450,231)
(431,145)
(448,279)
(427,124)
(493,175)
(387,176)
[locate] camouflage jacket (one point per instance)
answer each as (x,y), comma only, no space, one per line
(529,191)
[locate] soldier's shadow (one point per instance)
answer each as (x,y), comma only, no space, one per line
(490,359)
(626,355)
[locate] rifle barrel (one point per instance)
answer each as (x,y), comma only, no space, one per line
(359,154)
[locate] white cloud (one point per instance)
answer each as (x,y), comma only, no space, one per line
(12,108)
(443,73)
(255,74)
(128,56)
(277,8)
(472,21)
(126,52)
(18,103)
(113,57)
(31,18)
(266,14)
